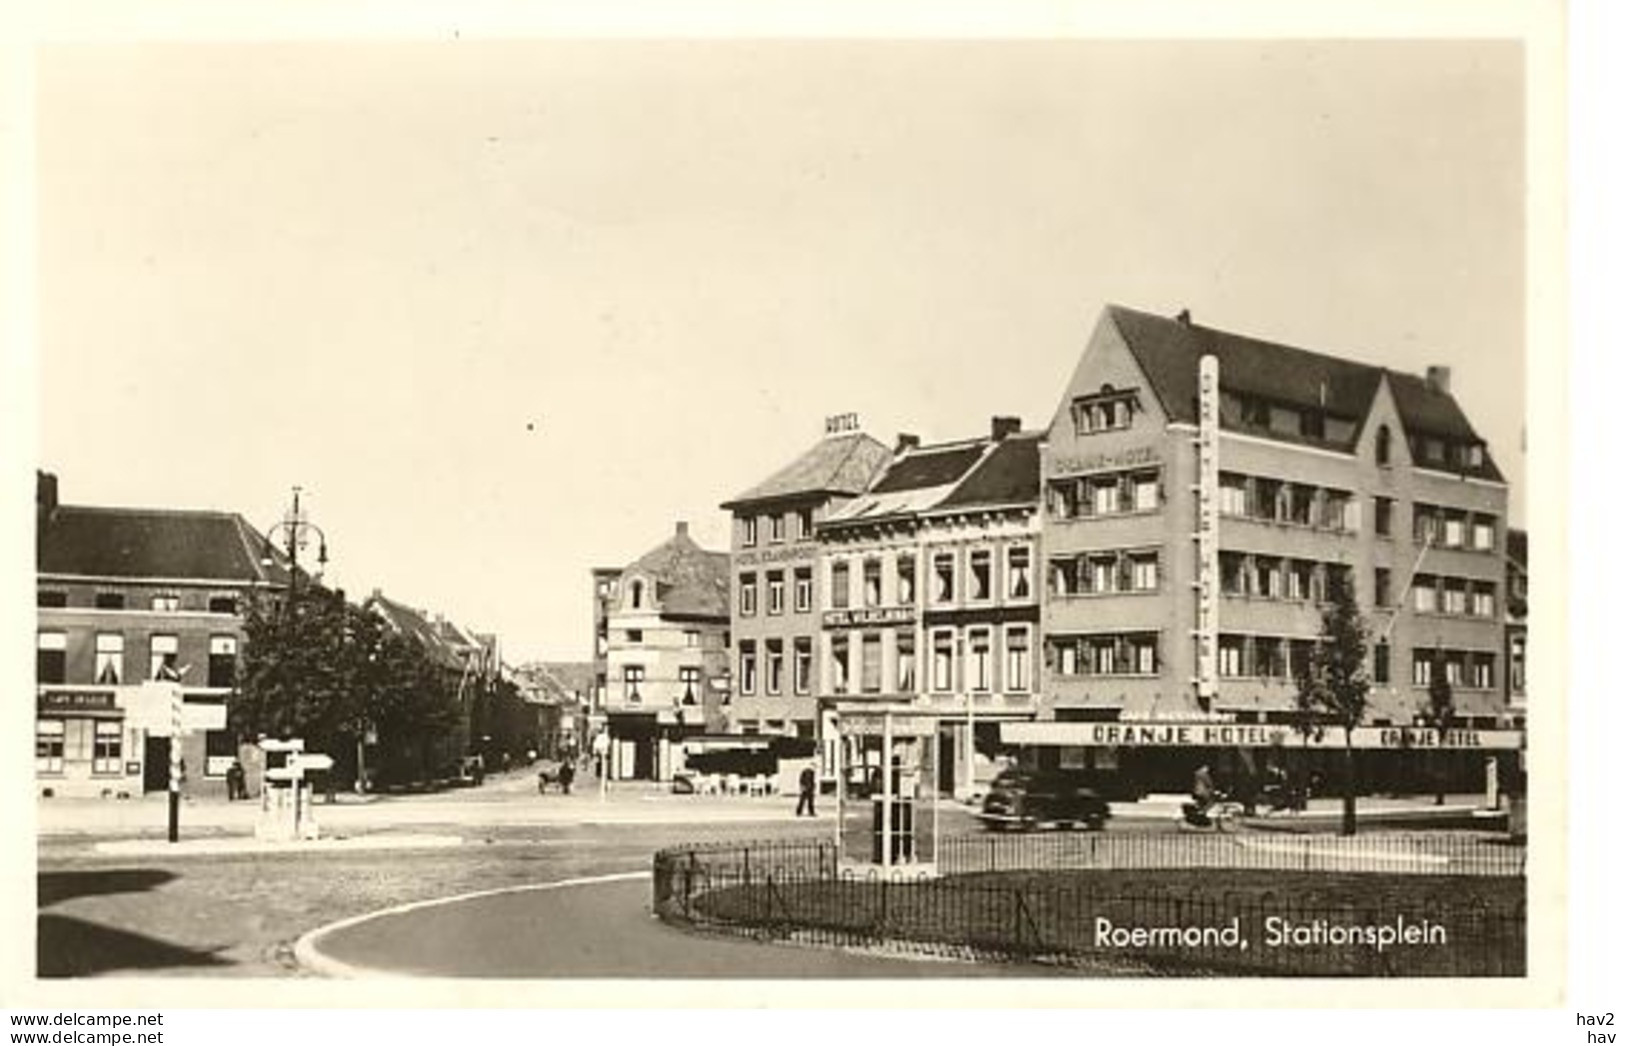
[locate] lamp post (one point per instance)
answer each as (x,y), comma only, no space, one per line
(296,528)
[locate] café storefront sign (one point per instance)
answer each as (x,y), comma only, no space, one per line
(83,701)
(1158,734)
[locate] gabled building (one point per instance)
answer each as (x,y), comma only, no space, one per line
(777,584)
(429,756)
(123,595)
(931,592)
(665,655)
(559,692)
(1187,563)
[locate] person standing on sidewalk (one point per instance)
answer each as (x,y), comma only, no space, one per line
(809,791)
(567,775)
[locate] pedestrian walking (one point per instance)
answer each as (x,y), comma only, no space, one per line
(567,774)
(809,790)
(236,786)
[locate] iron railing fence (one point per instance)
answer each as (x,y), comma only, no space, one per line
(1030,898)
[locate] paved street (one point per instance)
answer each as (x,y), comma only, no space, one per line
(225,914)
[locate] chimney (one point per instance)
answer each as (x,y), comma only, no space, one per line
(907,441)
(1439,379)
(377,594)
(1184,317)
(44,499)
(682,528)
(1005,426)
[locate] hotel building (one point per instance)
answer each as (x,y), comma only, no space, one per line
(777,584)
(931,594)
(1191,529)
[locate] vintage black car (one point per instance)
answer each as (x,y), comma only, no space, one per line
(1034,798)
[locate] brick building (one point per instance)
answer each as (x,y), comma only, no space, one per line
(124,593)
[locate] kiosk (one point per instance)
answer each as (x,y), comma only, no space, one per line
(887,797)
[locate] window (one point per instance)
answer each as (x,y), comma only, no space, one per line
(1426,596)
(747,531)
(1103,495)
(840,661)
(905,662)
(689,677)
(1268,662)
(942,661)
(747,666)
(747,595)
(1103,656)
(165,654)
(981,660)
(840,584)
(1455,597)
(1455,532)
(51,661)
(634,636)
(1383,516)
(1144,567)
(1298,575)
(1018,572)
(803,589)
(871,582)
(1066,659)
(222,661)
(109,659)
(905,580)
(1484,671)
(942,567)
(804,524)
(1379,663)
(1143,655)
(107,752)
(775,527)
(1268,571)
(1384,447)
(166,603)
(1421,667)
(775,591)
(1232,495)
(1063,499)
(871,663)
(1230,656)
(1516,665)
(775,666)
(1300,502)
(49,741)
(691,637)
(1018,656)
(1453,667)
(46,597)
(1379,587)
(1230,574)
(1484,600)
(1484,535)
(1145,492)
(1424,525)
(1102,574)
(981,574)
(222,604)
(110,601)
(633,675)
(803,665)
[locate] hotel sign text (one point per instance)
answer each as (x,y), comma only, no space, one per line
(804,550)
(1096,462)
(1236,735)
(1207,531)
(875,616)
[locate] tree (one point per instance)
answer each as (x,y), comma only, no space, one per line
(1441,715)
(1333,685)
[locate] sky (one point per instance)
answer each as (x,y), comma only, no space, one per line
(508,310)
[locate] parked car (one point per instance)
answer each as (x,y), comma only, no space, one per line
(1029,798)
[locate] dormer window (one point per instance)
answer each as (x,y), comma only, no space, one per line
(637,595)
(1105,410)
(1385,448)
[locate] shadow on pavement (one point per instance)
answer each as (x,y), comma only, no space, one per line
(70,947)
(63,886)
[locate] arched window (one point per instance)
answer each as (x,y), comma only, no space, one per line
(637,595)
(1383,444)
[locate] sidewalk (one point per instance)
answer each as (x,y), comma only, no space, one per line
(505,802)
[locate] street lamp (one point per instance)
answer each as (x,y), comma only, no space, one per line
(297,530)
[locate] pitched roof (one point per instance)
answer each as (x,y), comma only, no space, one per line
(690,581)
(180,544)
(558,681)
(1168,351)
(960,474)
(415,624)
(836,465)
(1008,475)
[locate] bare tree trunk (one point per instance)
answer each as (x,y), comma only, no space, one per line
(1348,783)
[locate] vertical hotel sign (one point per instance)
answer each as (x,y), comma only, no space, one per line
(1207,530)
